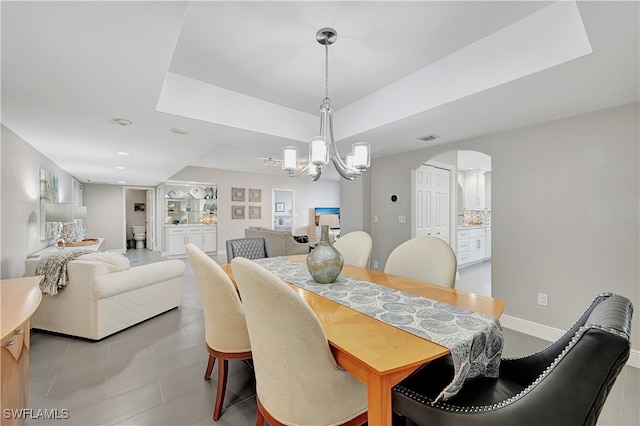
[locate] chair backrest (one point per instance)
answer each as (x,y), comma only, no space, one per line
(250,248)
(224,320)
(428,259)
(297,378)
(355,247)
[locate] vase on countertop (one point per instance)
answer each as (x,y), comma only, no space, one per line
(325,262)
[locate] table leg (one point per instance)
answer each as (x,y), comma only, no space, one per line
(379,399)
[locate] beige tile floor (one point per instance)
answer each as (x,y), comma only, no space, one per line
(152,374)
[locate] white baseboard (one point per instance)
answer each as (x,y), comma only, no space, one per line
(551,334)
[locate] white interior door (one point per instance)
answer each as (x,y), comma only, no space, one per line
(432,202)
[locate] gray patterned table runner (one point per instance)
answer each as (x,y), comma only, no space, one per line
(474,339)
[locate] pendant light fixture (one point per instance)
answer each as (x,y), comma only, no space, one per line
(322,148)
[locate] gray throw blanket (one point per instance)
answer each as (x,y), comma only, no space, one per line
(54,269)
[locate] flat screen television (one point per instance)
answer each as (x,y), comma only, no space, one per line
(326,210)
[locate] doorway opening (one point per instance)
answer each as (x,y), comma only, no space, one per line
(451,199)
(139,205)
(283,209)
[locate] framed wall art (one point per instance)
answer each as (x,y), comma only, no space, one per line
(255,195)
(237,194)
(279,207)
(255,212)
(48,194)
(237,212)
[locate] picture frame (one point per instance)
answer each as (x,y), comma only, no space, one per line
(138,207)
(255,212)
(279,207)
(237,212)
(255,195)
(237,194)
(48,194)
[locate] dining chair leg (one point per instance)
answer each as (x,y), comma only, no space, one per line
(223,370)
(259,415)
(207,374)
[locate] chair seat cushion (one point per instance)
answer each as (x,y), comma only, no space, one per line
(430,379)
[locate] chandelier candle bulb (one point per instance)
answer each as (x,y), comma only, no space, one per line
(361,155)
(318,152)
(289,158)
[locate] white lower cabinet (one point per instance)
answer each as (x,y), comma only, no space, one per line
(203,237)
(209,239)
(472,245)
(463,247)
(477,241)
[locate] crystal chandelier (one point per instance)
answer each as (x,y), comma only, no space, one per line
(322,148)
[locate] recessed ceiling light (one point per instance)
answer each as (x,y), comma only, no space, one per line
(179,131)
(120,167)
(125,154)
(122,121)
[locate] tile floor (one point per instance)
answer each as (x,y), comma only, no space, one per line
(152,373)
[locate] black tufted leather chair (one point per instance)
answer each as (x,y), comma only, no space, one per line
(566,383)
(250,248)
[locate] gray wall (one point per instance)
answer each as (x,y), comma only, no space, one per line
(565,211)
(20,229)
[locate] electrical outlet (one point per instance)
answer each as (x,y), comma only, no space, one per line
(543,299)
(375,264)
(402,219)
(375,218)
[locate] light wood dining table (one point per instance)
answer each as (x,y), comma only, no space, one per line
(378,354)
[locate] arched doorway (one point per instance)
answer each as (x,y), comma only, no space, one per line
(462,209)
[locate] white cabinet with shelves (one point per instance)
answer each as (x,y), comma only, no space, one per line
(190,204)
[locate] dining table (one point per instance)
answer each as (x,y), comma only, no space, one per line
(377,353)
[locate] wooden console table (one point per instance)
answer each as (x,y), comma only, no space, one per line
(19,299)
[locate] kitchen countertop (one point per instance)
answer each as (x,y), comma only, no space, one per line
(473,226)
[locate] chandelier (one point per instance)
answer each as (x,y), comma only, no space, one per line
(322,148)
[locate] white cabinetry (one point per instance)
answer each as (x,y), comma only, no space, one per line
(477,241)
(209,239)
(203,237)
(472,245)
(463,247)
(474,190)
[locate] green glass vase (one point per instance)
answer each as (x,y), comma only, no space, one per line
(325,262)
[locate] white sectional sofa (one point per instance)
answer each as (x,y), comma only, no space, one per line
(105,295)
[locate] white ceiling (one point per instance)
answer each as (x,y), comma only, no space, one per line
(246,78)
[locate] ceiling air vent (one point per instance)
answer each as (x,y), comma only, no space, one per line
(429,138)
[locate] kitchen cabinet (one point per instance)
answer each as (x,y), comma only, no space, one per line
(488,243)
(472,245)
(477,241)
(474,190)
(463,247)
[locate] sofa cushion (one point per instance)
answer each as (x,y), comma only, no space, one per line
(113,262)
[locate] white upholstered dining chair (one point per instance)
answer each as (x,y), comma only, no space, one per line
(226,332)
(297,378)
(355,247)
(428,259)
